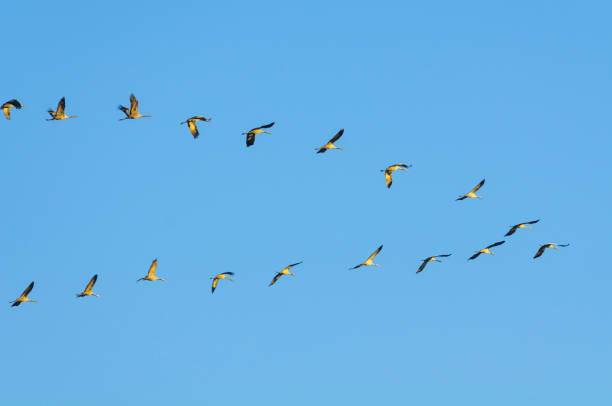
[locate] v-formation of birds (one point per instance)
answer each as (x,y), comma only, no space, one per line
(133,113)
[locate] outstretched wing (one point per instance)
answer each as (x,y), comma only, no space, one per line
(532,222)
(250,139)
(193,128)
(562,245)
(443,255)
(475,255)
(512,230)
(371,257)
(478,186)
(7,112)
(91,283)
(462,197)
(61,106)
(227,273)
(133,105)
(337,136)
(27,290)
(356,266)
(388,177)
(265,126)
(125,110)
(292,265)
(276,277)
(425,261)
(496,244)
(152,268)
(214,285)
(541,251)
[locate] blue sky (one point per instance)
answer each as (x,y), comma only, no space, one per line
(518,94)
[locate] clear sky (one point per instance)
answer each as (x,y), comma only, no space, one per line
(518,93)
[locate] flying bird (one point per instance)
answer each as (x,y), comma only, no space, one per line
(472,193)
(59,114)
(431,259)
(521,225)
(284,272)
(549,245)
(389,172)
(486,250)
(89,287)
(24,296)
(6,107)
(250,139)
(132,112)
(368,262)
(151,274)
(193,127)
(330,143)
(224,275)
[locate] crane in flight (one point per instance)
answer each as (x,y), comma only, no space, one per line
(24,296)
(486,250)
(132,112)
(250,139)
(285,271)
(472,193)
(59,113)
(368,261)
(330,143)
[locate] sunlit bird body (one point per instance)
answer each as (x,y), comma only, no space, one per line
(132,112)
(549,245)
(330,143)
(250,136)
(217,278)
(284,272)
(521,225)
(486,250)
(472,193)
(6,107)
(89,287)
(59,113)
(368,262)
(431,259)
(151,274)
(24,296)
(389,172)
(193,127)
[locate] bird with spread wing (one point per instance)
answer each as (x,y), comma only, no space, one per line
(549,245)
(520,225)
(368,261)
(330,143)
(59,113)
(486,250)
(250,136)
(132,112)
(6,107)
(151,274)
(24,296)
(217,278)
(389,172)
(472,192)
(89,287)
(431,259)
(284,272)
(193,127)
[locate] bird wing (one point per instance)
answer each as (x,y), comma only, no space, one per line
(292,265)
(512,230)
(356,266)
(532,222)
(227,273)
(540,251)
(133,105)
(462,197)
(152,268)
(374,253)
(125,110)
(425,261)
(27,290)
(496,244)
(475,255)
(276,277)
(404,166)
(7,112)
(61,106)
(443,255)
(265,126)
(478,186)
(337,136)
(250,139)
(193,128)
(214,284)
(562,245)
(91,283)
(388,177)
(322,149)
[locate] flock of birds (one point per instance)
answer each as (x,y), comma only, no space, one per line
(133,113)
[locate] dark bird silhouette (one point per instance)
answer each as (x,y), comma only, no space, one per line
(431,259)
(250,139)
(472,192)
(486,250)
(521,225)
(132,112)
(193,128)
(6,107)
(549,245)
(330,143)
